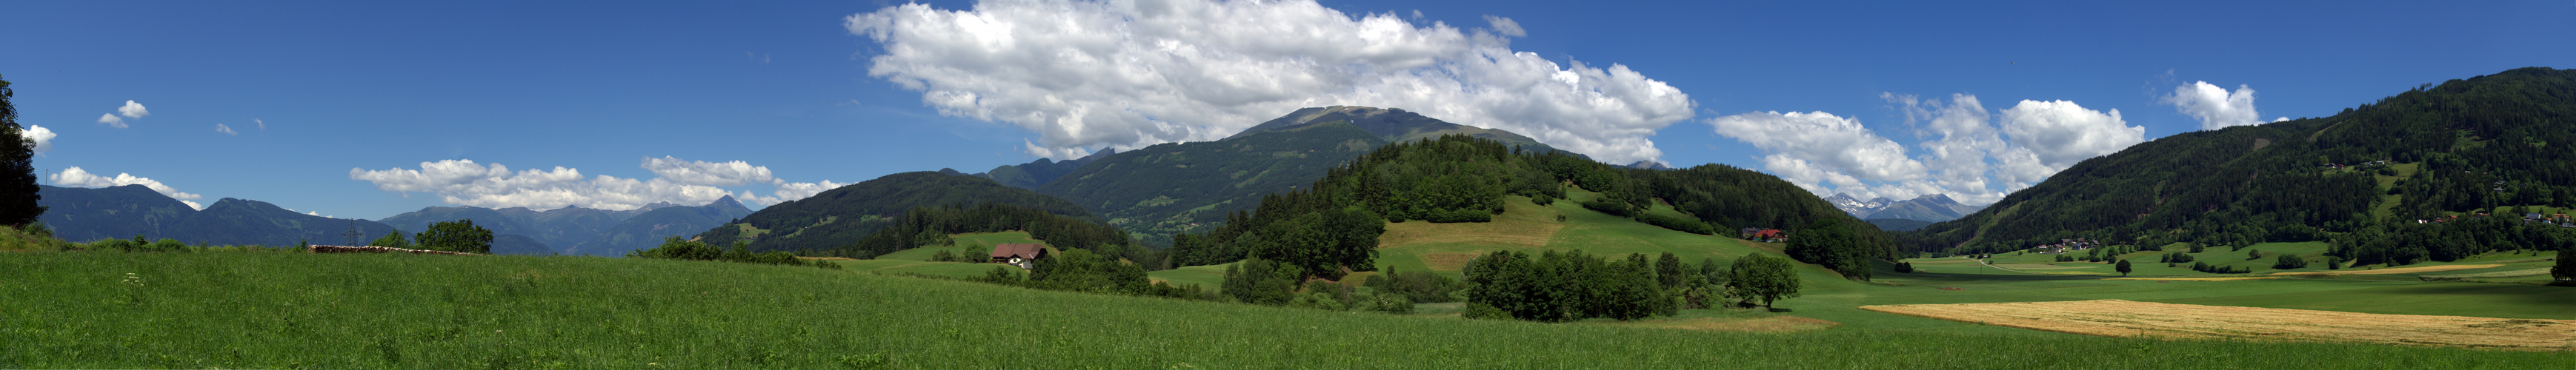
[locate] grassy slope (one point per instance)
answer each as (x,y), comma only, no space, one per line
(362,311)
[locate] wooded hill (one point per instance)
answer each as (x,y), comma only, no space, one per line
(1165,189)
(1334,223)
(836,218)
(2466,145)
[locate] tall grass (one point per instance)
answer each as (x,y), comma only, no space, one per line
(294,310)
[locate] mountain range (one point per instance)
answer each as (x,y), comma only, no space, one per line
(1929,207)
(121,212)
(577,230)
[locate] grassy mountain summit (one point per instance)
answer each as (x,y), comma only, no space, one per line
(1394,125)
(2464,146)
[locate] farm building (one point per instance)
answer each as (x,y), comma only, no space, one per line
(1018,254)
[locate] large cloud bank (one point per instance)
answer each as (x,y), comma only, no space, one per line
(1971,154)
(1090,74)
(684,182)
(77,177)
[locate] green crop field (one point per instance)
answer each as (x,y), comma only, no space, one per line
(296,310)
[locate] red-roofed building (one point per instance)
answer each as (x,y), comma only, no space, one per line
(1769,236)
(1017,254)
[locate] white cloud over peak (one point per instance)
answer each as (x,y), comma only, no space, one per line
(1974,156)
(1801,142)
(735,173)
(2216,107)
(1085,75)
(76,177)
(40,136)
(2061,133)
(464,182)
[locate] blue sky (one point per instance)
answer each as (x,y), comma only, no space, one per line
(335,107)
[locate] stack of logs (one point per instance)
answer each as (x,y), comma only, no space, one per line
(348,249)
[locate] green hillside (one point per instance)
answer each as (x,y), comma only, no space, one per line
(2478,143)
(838,217)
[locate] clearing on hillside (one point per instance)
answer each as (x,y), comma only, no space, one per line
(2120,318)
(2400,270)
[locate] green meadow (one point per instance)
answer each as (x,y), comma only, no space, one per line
(296,310)
(247,307)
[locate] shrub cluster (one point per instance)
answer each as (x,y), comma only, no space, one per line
(1574,286)
(2215,269)
(675,248)
(2175,257)
(2289,262)
(1677,223)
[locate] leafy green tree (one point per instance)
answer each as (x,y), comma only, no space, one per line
(1668,270)
(1764,278)
(2123,267)
(1829,242)
(17,171)
(456,236)
(391,240)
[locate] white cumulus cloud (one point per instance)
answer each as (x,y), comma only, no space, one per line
(1969,153)
(132,110)
(2061,133)
(1505,26)
(1801,142)
(41,137)
(464,182)
(227,130)
(735,173)
(1085,75)
(111,121)
(76,177)
(2216,107)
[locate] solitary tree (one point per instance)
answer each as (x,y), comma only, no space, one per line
(2566,268)
(2123,267)
(17,172)
(1763,278)
(456,236)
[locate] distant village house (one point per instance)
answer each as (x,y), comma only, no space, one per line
(1023,255)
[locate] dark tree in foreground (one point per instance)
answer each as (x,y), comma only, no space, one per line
(2123,267)
(2566,268)
(456,236)
(17,172)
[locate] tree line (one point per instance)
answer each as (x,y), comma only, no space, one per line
(930,226)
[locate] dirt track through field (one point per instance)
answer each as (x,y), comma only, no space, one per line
(2120,318)
(2400,270)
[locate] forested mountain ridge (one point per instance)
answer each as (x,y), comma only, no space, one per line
(2462,146)
(837,218)
(1173,187)
(89,214)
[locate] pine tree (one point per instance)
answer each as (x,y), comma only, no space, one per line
(17,171)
